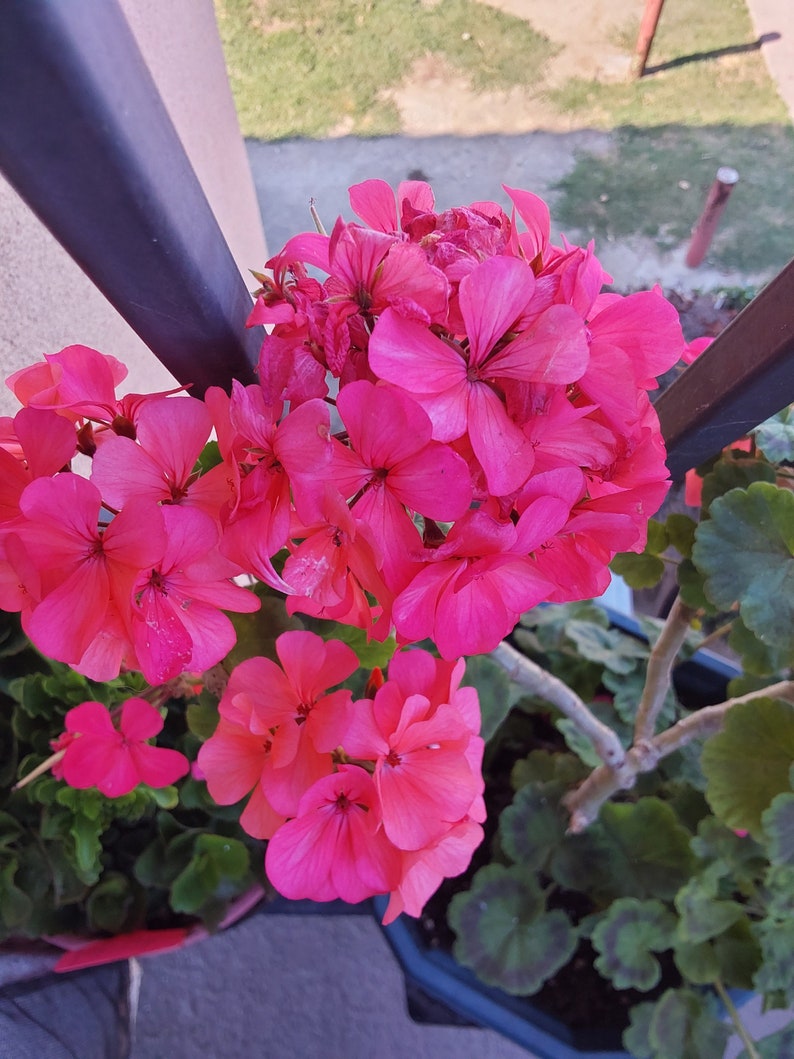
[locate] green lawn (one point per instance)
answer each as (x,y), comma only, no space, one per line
(317,67)
(303,67)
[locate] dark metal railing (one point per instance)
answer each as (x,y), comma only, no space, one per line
(85,139)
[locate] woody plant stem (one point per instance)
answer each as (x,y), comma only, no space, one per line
(620,767)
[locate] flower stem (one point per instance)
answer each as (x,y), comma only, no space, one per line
(660,668)
(739,1026)
(39,770)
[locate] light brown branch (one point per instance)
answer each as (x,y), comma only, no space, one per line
(660,667)
(584,803)
(532,677)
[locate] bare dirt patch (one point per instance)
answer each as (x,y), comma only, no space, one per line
(593,41)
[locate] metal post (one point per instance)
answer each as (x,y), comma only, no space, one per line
(716,201)
(87,142)
(745,376)
(650,20)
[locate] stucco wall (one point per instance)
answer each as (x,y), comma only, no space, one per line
(46,301)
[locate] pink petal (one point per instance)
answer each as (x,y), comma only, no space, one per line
(158,766)
(492,298)
(140,720)
(505,453)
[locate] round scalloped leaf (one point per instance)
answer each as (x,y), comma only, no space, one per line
(775,437)
(747,763)
(626,939)
(746,551)
(734,472)
(776,973)
(638,571)
(778,824)
(685,1025)
(758,658)
(691,585)
(504,933)
(607,647)
(533,825)
(703,914)
(681,533)
(634,849)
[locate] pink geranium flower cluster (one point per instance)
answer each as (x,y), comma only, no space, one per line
(451,425)
(123,567)
(379,795)
(493,444)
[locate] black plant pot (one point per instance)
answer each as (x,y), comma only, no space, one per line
(439,990)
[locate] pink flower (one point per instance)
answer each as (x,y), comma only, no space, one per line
(458,386)
(334,848)
(177,618)
(422,773)
(87,566)
(293,709)
(116,760)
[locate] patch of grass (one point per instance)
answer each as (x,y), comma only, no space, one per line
(697,74)
(310,67)
(654,182)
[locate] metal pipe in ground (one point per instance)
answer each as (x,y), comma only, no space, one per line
(650,20)
(716,201)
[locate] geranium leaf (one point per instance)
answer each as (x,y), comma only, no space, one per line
(746,551)
(776,973)
(110,903)
(685,1025)
(681,533)
(626,939)
(758,658)
(15,906)
(733,472)
(533,825)
(691,583)
(747,763)
(496,692)
(775,437)
(505,935)
(703,914)
(658,539)
(637,849)
(638,571)
(607,647)
(778,825)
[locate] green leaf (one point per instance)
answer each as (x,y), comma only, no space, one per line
(691,583)
(757,657)
(202,716)
(626,938)
(634,849)
(747,763)
(87,848)
(370,653)
(739,857)
(608,647)
(111,902)
(496,692)
(685,1025)
(504,933)
(746,551)
(164,797)
(15,905)
(734,472)
(638,571)
(209,457)
(703,914)
(658,540)
(681,533)
(257,632)
(775,437)
(534,824)
(776,973)
(778,824)
(637,1035)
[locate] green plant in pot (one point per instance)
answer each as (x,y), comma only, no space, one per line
(637,896)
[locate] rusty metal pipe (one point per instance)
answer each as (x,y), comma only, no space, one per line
(650,20)
(716,201)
